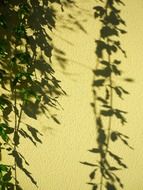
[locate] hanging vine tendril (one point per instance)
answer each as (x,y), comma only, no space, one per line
(104,88)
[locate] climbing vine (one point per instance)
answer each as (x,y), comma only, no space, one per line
(105,88)
(27,82)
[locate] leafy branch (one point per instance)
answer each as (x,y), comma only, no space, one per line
(27,82)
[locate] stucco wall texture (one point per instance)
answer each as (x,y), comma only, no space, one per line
(55,163)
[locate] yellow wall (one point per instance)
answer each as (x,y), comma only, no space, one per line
(55,163)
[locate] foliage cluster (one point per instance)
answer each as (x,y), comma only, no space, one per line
(27,82)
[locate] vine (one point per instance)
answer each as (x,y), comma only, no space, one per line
(105,88)
(27,82)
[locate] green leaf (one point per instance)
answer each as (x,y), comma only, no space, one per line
(3,134)
(24,58)
(20,31)
(3,51)
(6,128)
(8,176)
(24,10)
(3,168)
(3,23)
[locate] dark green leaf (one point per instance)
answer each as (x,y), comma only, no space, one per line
(8,176)
(24,58)
(3,134)
(3,22)
(3,168)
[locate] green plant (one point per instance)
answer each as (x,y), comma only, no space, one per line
(104,89)
(27,82)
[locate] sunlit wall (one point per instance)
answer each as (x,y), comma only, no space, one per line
(55,163)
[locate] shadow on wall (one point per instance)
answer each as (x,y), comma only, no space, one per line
(28,85)
(104,87)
